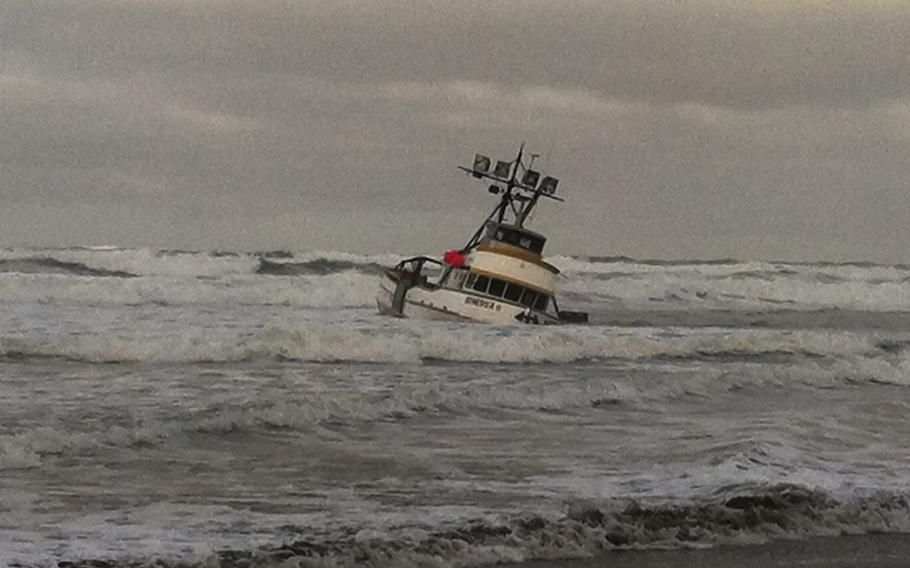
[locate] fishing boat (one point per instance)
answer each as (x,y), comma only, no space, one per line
(499,276)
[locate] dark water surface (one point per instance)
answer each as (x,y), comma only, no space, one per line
(196,408)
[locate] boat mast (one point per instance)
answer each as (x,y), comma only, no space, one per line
(499,212)
(511,183)
(521,205)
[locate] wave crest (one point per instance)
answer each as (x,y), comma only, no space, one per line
(477,344)
(47,265)
(319,266)
(780,511)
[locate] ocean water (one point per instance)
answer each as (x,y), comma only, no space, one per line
(235,409)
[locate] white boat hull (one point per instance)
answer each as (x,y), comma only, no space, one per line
(446,304)
(500,275)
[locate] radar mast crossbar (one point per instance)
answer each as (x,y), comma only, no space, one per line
(507,174)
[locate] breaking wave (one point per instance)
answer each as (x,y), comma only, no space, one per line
(313,407)
(738,286)
(317,266)
(657,262)
(343,343)
(622,259)
(336,289)
(585,530)
(173,276)
(106,261)
(43,265)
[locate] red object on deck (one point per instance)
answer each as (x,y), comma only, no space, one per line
(454,258)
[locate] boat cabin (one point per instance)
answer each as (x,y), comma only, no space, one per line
(511,289)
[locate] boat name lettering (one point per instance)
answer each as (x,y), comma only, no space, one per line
(471,300)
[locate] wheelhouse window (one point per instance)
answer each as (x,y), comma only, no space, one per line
(513,292)
(507,290)
(517,237)
(497,287)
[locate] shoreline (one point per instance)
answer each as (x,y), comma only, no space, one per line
(890,550)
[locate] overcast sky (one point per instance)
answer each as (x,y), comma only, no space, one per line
(759,129)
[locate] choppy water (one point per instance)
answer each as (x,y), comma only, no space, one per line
(169,406)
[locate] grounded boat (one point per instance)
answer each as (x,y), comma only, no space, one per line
(499,276)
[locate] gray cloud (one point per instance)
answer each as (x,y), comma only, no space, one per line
(704,128)
(739,54)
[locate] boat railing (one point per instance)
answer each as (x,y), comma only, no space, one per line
(416,263)
(411,270)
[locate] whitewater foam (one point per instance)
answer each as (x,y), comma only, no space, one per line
(341,289)
(677,364)
(242,400)
(177,276)
(170,263)
(415,343)
(588,528)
